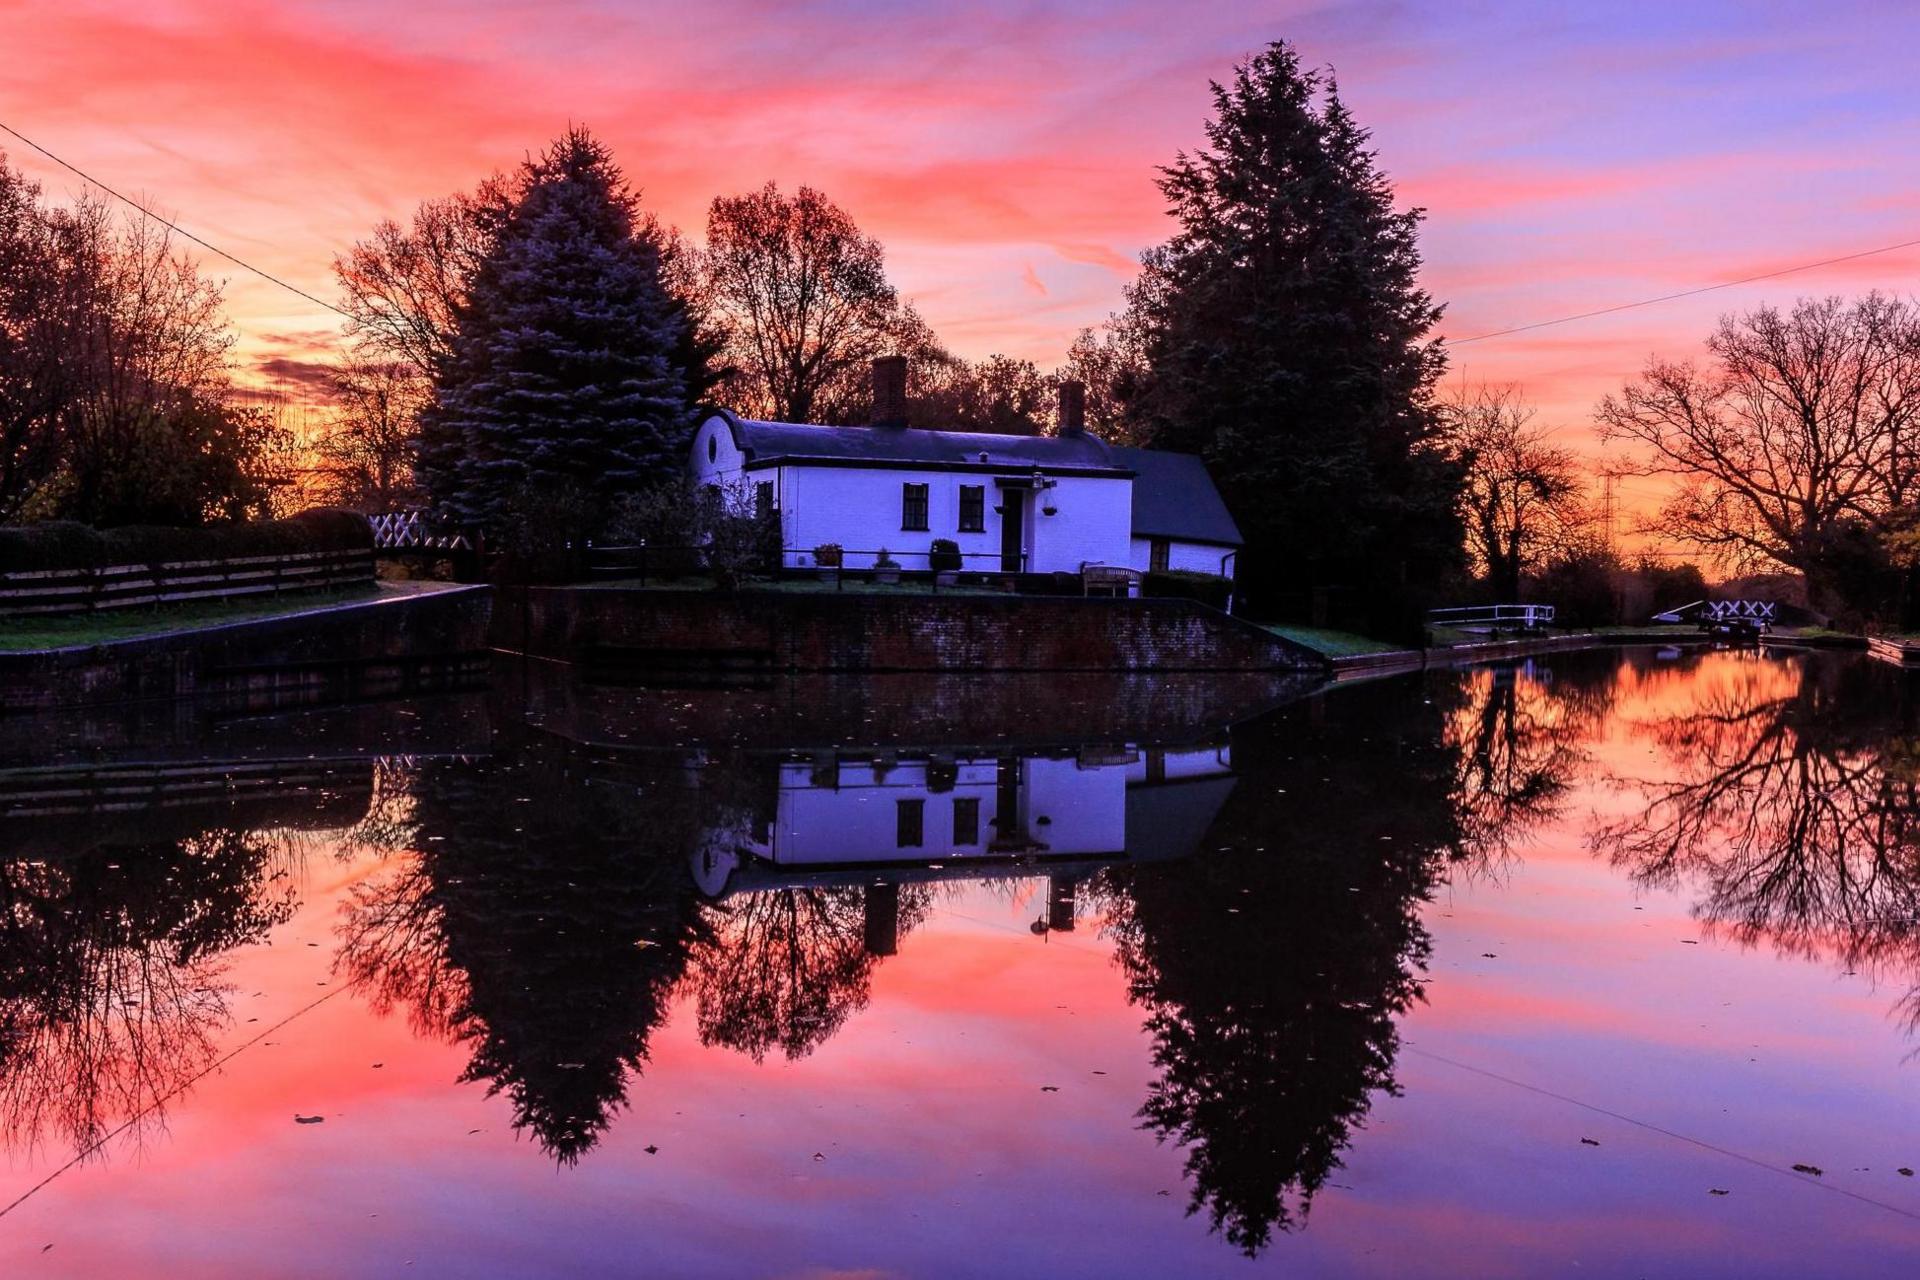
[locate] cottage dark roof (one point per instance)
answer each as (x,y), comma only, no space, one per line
(764,443)
(1174,497)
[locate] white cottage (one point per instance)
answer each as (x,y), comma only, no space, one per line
(1011,503)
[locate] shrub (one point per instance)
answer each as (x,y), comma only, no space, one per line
(1184,584)
(725,532)
(827,555)
(944,554)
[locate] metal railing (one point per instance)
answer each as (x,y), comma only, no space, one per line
(646,561)
(1525,616)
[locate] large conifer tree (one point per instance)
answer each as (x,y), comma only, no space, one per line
(1286,342)
(562,387)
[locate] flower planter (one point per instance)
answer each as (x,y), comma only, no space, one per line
(888,576)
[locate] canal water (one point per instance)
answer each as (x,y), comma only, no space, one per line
(1607,963)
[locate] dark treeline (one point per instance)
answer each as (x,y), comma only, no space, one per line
(116,405)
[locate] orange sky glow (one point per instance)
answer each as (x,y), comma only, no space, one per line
(1570,157)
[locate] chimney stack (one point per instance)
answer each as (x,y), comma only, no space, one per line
(1073,408)
(890,391)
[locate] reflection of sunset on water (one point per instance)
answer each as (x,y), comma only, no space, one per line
(1258,976)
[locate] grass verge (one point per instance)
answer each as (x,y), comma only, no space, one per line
(18,634)
(1330,643)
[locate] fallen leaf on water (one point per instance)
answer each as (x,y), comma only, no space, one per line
(650,1149)
(1488,955)
(1813,1169)
(1905,1172)
(1717,1191)
(300,1119)
(818,1156)
(1588,1142)
(1049,1088)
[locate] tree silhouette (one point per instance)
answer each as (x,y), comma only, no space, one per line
(1791,795)
(1272,969)
(111,975)
(544,922)
(785,968)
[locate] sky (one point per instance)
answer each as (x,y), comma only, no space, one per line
(1570,156)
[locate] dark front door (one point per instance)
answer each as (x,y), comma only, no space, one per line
(1013,519)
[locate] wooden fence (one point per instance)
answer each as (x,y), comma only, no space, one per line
(49,591)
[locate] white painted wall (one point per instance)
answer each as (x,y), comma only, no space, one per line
(860,508)
(1192,557)
(715,459)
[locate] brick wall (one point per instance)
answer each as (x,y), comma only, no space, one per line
(779,631)
(1033,711)
(335,652)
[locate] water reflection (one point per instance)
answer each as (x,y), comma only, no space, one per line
(549,900)
(542,921)
(117,923)
(1786,798)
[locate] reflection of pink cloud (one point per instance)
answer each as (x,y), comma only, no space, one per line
(1032,281)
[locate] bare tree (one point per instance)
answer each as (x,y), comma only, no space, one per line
(365,459)
(803,294)
(404,286)
(1523,499)
(1801,427)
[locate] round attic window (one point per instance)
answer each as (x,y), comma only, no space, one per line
(713,448)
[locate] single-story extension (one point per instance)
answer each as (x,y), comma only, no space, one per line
(1010,503)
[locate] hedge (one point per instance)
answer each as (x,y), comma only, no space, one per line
(62,544)
(1184,584)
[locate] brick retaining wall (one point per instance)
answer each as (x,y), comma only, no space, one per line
(782,631)
(400,643)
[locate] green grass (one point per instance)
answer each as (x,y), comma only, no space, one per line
(1329,643)
(1661,631)
(17,634)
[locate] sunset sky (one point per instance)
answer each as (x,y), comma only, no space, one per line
(1571,156)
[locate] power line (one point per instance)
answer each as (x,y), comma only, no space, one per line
(173,226)
(1684,293)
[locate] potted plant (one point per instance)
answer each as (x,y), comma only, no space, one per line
(944,559)
(826,557)
(885,567)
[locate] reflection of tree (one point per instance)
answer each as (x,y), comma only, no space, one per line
(1272,970)
(785,968)
(1791,794)
(1520,739)
(111,963)
(544,922)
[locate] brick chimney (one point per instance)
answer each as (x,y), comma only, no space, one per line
(1073,408)
(890,391)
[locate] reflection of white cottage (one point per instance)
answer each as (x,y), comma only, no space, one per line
(927,817)
(1011,503)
